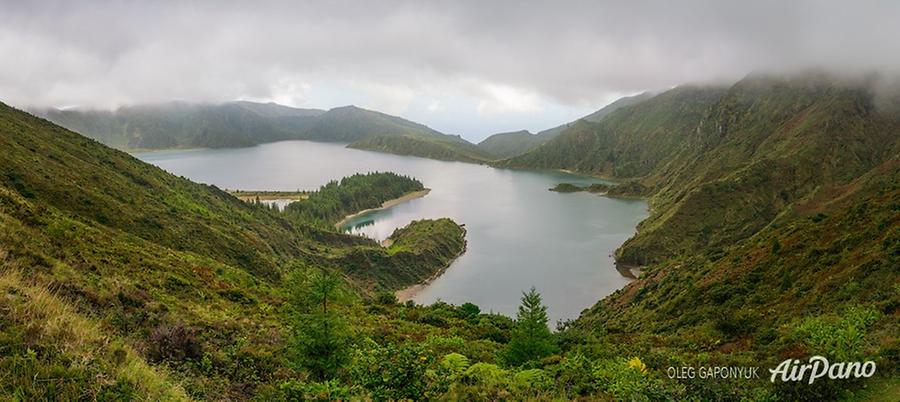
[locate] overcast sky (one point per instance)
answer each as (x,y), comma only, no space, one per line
(470,68)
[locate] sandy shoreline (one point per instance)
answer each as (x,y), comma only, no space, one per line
(385,205)
(407,293)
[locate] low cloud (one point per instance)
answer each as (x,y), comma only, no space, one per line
(395,54)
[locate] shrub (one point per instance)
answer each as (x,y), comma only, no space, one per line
(468,311)
(533,379)
(316,391)
(391,372)
(455,364)
(387,298)
(839,337)
(485,374)
(173,342)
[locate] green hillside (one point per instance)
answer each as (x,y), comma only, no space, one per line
(774,220)
(443,147)
(506,145)
(114,271)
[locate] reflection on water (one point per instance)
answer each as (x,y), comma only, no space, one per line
(519,234)
(357,226)
(278,203)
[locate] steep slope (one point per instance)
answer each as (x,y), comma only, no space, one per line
(618,146)
(772,139)
(616,105)
(818,280)
(506,145)
(132,265)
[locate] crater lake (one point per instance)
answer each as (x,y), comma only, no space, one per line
(519,234)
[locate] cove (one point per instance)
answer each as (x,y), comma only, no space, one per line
(519,234)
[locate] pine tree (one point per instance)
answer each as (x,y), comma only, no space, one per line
(531,338)
(322,337)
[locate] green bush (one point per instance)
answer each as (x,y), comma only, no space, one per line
(391,372)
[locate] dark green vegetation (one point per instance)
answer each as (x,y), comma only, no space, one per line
(444,147)
(571,188)
(339,198)
(774,226)
(531,338)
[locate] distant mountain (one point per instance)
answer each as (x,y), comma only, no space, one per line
(440,147)
(185,125)
(507,145)
(350,123)
(231,124)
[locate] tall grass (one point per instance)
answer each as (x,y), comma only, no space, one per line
(69,349)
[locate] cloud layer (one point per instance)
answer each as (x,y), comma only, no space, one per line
(463,67)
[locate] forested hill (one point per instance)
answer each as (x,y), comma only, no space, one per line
(338,199)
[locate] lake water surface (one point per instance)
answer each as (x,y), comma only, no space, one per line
(519,234)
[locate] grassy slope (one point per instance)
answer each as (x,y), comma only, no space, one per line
(131,250)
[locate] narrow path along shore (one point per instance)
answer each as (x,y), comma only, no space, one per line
(385,205)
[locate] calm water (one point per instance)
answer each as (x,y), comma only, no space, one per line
(519,234)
